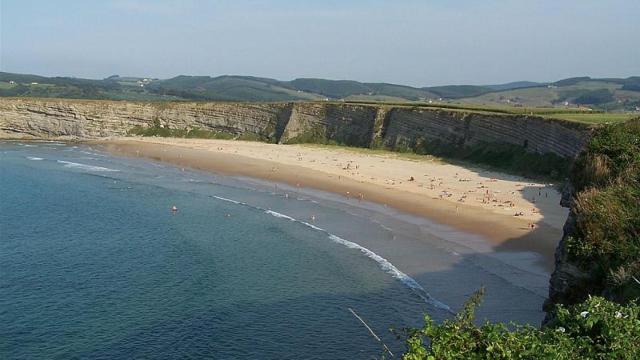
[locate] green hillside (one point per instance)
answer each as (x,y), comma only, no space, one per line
(601,94)
(228,88)
(573,94)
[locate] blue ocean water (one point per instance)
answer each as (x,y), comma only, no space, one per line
(93,264)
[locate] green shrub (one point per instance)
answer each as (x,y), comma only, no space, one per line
(595,329)
(613,152)
(314,135)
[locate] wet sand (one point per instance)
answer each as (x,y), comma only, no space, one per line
(470,200)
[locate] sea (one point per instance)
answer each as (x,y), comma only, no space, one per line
(95,264)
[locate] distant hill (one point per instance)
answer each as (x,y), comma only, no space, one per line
(610,94)
(514,85)
(242,88)
(606,94)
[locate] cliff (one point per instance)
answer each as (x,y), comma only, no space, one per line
(397,128)
(80,119)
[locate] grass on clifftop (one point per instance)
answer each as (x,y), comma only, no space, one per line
(595,118)
(570,114)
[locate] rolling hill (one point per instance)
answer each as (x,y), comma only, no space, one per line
(601,94)
(610,94)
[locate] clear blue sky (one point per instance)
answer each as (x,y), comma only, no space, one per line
(414,42)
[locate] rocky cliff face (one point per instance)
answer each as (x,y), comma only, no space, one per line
(400,128)
(568,283)
(79,119)
(412,127)
(340,123)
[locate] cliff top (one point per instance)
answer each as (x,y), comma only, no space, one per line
(565,115)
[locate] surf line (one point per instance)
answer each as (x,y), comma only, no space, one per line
(74,165)
(383,263)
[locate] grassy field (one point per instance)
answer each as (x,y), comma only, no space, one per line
(540,96)
(597,118)
(571,114)
(6,85)
(550,96)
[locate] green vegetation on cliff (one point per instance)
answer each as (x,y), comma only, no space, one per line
(191,133)
(505,157)
(605,241)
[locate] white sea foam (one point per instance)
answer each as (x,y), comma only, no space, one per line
(229,200)
(34,158)
(313,226)
(70,164)
(279,215)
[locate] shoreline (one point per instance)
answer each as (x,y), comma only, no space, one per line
(285,164)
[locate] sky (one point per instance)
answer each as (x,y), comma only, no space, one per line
(412,42)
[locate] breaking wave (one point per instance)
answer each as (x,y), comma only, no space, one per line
(74,165)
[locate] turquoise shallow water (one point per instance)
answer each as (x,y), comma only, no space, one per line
(94,265)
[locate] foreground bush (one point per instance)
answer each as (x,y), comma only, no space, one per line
(595,329)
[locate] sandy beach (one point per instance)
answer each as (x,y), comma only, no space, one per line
(513,213)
